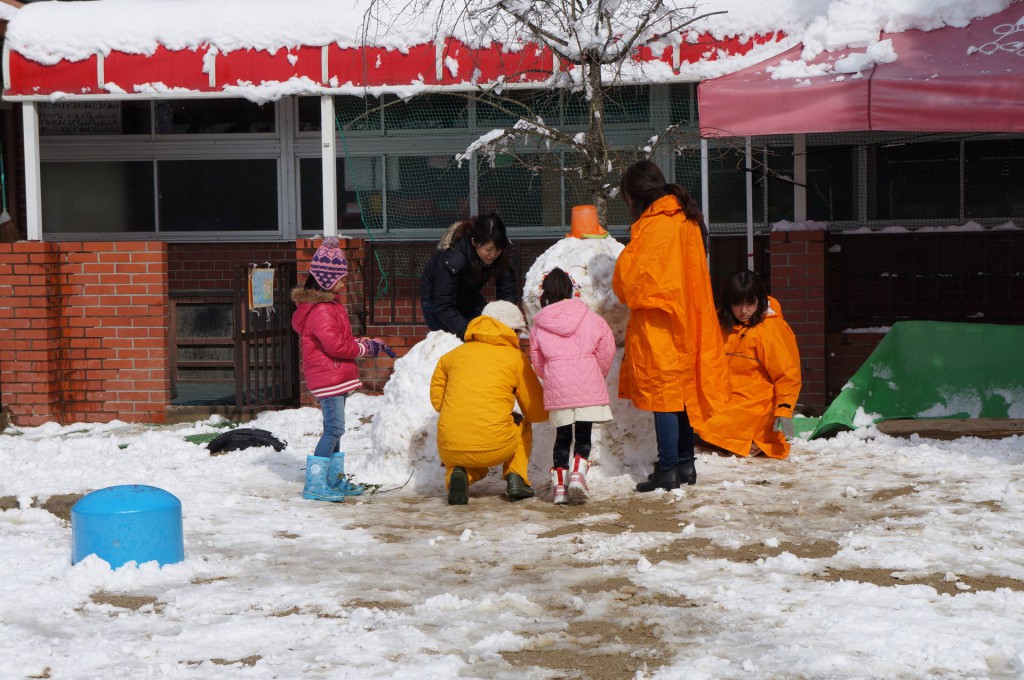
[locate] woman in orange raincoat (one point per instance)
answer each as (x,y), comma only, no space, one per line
(764,368)
(673,364)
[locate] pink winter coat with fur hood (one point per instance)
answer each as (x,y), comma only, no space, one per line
(572,349)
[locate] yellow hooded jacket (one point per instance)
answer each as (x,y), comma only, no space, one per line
(764,367)
(673,358)
(475,385)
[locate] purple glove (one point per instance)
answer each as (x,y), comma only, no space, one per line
(375,346)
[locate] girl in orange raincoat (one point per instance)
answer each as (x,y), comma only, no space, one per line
(764,368)
(673,363)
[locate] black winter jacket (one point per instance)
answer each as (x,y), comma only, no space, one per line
(449,282)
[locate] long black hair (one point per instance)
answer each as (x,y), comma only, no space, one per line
(643,183)
(742,287)
(556,286)
(482,230)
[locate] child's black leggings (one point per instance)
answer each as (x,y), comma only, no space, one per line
(563,436)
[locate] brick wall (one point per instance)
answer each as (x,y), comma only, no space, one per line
(847,352)
(83,331)
(798,281)
(211,266)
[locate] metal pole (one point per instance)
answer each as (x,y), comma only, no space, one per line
(33,183)
(750,207)
(800,178)
(328,164)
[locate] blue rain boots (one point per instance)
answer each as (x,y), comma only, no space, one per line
(316,488)
(338,481)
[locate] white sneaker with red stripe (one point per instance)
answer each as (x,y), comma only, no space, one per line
(559,490)
(578,490)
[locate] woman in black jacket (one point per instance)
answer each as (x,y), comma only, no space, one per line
(469,254)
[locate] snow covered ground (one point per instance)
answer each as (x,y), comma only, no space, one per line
(861,556)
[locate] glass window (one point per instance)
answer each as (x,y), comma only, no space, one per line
(93,118)
(688,173)
(727,179)
(914,181)
(98,196)
(213,116)
(218,195)
(504,110)
(775,181)
(525,192)
(353,113)
(683,104)
(426,112)
(423,192)
(993,172)
(311,195)
(622,105)
(832,183)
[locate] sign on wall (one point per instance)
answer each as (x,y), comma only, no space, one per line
(80,118)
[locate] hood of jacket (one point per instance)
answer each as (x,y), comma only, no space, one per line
(666,205)
(491,331)
(774,310)
(305,299)
(562,317)
(448,238)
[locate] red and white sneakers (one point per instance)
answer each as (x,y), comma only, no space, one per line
(578,490)
(559,489)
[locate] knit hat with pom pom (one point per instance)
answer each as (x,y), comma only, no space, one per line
(329,263)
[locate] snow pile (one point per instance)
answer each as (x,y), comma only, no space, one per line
(590,262)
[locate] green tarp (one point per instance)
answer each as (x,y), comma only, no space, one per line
(932,369)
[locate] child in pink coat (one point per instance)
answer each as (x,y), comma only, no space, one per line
(571,349)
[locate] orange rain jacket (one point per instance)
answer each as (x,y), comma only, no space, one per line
(764,366)
(674,358)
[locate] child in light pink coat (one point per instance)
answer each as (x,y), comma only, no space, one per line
(571,349)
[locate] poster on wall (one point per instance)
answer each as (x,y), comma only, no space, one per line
(261,288)
(80,118)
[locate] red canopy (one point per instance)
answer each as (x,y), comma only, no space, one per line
(168,73)
(946,80)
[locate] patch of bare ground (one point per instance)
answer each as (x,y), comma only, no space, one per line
(610,648)
(994,506)
(9,503)
(376,604)
(122,601)
(204,581)
(940,582)
(285,534)
(883,495)
(60,505)
(754,552)
(592,650)
(638,514)
(42,675)
(245,661)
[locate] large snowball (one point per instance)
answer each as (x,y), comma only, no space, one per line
(590,262)
(404,431)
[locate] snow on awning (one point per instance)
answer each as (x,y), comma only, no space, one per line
(257,62)
(947,80)
(263,75)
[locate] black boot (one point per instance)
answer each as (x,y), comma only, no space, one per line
(660,479)
(686,472)
(516,487)
(458,487)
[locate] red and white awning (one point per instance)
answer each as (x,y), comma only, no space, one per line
(445,65)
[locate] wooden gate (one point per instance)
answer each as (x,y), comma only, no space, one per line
(266,348)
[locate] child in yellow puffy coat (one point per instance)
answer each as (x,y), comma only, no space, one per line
(474,389)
